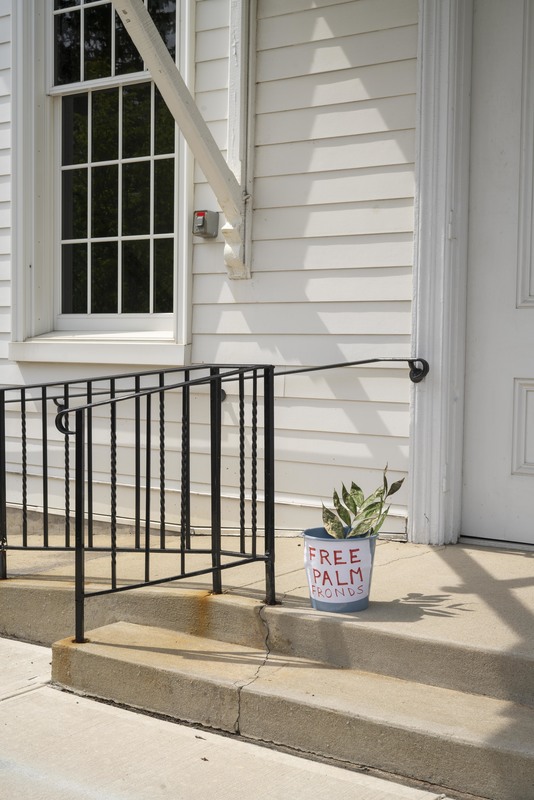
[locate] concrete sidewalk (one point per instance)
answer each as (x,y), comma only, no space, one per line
(60,746)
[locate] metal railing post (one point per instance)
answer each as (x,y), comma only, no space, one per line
(3,496)
(268,432)
(79,519)
(215,432)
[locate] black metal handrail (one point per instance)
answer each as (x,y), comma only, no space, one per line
(221,558)
(78,407)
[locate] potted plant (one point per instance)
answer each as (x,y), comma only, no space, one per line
(339,556)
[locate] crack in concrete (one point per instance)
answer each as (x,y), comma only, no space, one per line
(406,558)
(23,691)
(263,662)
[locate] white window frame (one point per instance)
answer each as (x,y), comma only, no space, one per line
(35,336)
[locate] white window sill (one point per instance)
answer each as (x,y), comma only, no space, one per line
(152,348)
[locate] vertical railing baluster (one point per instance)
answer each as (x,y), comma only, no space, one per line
(24,466)
(113,482)
(185,477)
(137,457)
(89,396)
(215,432)
(67,468)
(162,463)
(79,584)
(242,463)
(148,445)
(3,495)
(254,465)
(269,443)
(44,448)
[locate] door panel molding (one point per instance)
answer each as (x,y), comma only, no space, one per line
(523,426)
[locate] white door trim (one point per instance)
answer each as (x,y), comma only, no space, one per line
(440,268)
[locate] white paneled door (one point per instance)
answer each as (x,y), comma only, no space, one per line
(498,490)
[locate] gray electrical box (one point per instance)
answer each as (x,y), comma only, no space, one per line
(206,224)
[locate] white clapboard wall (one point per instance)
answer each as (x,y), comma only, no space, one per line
(5,175)
(333,202)
(332,242)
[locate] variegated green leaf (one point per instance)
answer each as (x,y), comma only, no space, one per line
(344,513)
(333,525)
(357,494)
(360,530)
(349,501)
(395,487)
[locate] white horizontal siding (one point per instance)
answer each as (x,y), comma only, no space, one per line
(331,254)
(341,21)
(349,119)
(361,319)
(341,186)
(343,219)
(332,240)
(329,286)
(311,58)
(211,14)
(5,177)
(351,152)
(343,86)
(320,349)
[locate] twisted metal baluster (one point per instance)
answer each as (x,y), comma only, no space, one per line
(137,406)
(67,465)
(89,425)
(3,496)
(185,510)
(24,466)
(44,446)
(254,465)
(113,480)
(147,486)
(242,476)
(162,464)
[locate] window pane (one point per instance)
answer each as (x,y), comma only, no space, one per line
(74,279)
(74,204)
(163,12)
(67,49)
(104,277)
(136,198)
(105,201)
(136,277)
(164,127)
(127,59)
(97,44)
(74,129)
(163,275)
(105,125)
(164,195)
(136,120)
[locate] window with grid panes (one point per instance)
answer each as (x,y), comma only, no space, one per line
(117,163)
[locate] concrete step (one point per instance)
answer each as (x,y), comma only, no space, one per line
(446,738)
(43,612)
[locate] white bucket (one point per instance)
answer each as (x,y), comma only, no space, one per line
(338,570)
